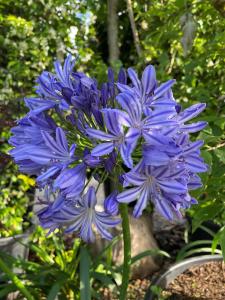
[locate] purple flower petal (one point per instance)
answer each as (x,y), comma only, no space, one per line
(148,79)
(100,135)
(163,103)
(194,127)
(141,203)
(104,233)
(163,207)
(155,138)
(191,112)
(193,147)
(131,105)
(196,164)
(134,78)
(125,155)
(61,139)
(194,182)
(122,76)
(90,197)
(103,149)
(51,144)
(111,205)
(49,173)
(39,155)
(134,178)
(155,157)
(124,87)
(172,186)
(129,195)
(111,117)
(163,88)
(160,115)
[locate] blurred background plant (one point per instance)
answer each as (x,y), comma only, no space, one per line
(183,39)
(16,189)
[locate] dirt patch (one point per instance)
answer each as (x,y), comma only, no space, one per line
(205,282)
(136,290)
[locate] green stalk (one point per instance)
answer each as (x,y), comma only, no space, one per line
(127,250)
(16,280)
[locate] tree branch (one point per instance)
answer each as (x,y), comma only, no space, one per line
(112,29)
(133,27)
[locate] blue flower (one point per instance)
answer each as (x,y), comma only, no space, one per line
(71,181)
(29,130)
(188,114)
(116,138)
(78,215)
(38,105)
(134,116)
(28,136)
(55,155)
(178,149)
(138,121)
(149,93)
(46,213)
(57,88)
(111,204)
(151,184)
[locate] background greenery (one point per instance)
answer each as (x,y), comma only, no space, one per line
(184,40)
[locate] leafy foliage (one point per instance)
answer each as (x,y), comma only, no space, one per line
(16,189)
(34,32)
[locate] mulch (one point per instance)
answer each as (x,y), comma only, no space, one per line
(205,282)
(136,290)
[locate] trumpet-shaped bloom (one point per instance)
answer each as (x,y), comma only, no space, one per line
(116,138)
(111,204)
(150,95)
(28,136)
(151,184)
(78,215)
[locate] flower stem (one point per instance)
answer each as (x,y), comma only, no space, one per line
(127,250)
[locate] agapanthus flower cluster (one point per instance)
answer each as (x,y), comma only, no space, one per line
(128,130)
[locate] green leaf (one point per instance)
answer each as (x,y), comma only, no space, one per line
(208,230)
(42,254)
(55,289)
(205,212)
(222,241)
(5,291)
(201,250)
(104,251)
(216,239)
(115,272)
(105,279)
(185,250)
(207,157)
(220,154)
(151,252)
(18,283)
(85,289)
